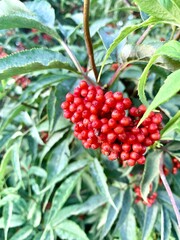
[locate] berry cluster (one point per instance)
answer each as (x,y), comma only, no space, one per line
(175,167)
(108,121)
(150,200)
(22,81)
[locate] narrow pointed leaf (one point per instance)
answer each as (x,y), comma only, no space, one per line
(7,215)
(69,230)
(100,179)
(165,224)
(32,60)
(149,221)
(63,193)
(23,233)
(151,171)
(170,87)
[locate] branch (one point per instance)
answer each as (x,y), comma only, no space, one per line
(168,189)
(144,35)
(88,37)
(116,74)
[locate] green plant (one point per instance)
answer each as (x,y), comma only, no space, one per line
(51,186)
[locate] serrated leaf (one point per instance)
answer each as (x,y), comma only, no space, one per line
(100,179)
(112,215)
(14,14)
(87,207)
(43,10)
(123,34)
(167,14)
(63,193)
(128,228)
(149,221)
(127,201)
(173,124)
(7,215)
(151,171)
(32,60)
(70,230)
(165,224)
(172,50)
(23,233)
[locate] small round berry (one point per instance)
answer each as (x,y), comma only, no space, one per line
(125,121)
(117,115)
(131,162)
(105,108)
(155,136)
(127,103)
(124,156)
(126,147)
(141,160)
(113,156)
(152,128)
(118,96)
(134,155)
(140,137)
(65,105)
(83,85)
(142,109)
(110,102)
(111,137)
(84,92)
(119,130)
(137,147)
(67,114)
(69,97)
(112,123)
(72,107)
(78,101)
(116,147)
(105,128)
(120,106)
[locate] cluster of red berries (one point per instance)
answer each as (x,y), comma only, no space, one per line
(108,121)
(150,200)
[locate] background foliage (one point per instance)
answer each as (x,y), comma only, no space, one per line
(51,187)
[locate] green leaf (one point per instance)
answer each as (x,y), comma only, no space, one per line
(6,159)
(23,233)
(14,14)
(100,180)
(32,60)
(163,196)
(43,10)
(51,109)
(11,116)
(128,228)
(7,215)
(63,193)
(72,167)
(112,215)
(167,12)
(37,171)
(123,34)
(15,221)
(127,202)
(88,206)
(151,171)
(173,124)
(15,159)
(172,50)
(165,224)
(69,230)
(176,228)
(149,221)
(98,24)
(170,87)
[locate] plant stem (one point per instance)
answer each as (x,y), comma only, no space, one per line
(168,189)
(144,35)
(88,37)
(116,74)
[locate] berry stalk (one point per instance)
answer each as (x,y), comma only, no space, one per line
(168,189)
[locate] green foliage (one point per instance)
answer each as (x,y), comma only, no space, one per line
(51,187)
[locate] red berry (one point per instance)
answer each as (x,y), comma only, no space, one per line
(127,103)
(124,156)
(111,137)
(131,162)
(118,96)
(137,147)
(126,147)
(69,97)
